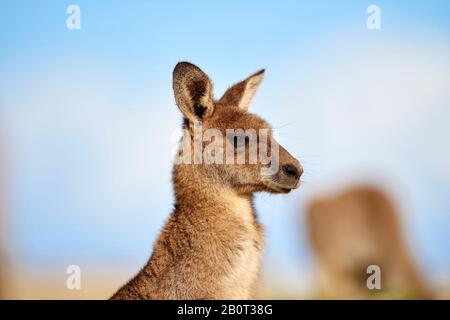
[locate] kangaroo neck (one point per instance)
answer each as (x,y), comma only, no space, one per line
(196,191)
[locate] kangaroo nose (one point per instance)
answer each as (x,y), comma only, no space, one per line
(292,171)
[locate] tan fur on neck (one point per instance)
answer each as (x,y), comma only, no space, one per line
(210,248)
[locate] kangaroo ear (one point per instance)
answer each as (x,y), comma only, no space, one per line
(193,91)
(241,94)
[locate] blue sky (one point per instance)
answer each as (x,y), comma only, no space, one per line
(90,118)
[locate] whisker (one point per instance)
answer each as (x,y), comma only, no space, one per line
(284,125)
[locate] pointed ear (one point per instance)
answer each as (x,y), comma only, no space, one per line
(241,94)
(193,91)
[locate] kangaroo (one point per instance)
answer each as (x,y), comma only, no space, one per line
(353,230)
(211,246)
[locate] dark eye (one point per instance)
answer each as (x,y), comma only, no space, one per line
(239,141)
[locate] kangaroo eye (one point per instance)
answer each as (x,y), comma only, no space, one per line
(239,141)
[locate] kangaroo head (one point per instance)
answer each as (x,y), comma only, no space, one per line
(225,142)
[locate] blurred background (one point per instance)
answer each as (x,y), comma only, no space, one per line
(88,126)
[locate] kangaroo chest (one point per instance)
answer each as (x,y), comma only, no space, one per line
(245,263)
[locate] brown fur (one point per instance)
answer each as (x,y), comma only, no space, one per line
(211,246)
(353,230)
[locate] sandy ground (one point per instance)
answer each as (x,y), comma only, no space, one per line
(101,285)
